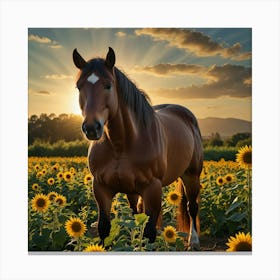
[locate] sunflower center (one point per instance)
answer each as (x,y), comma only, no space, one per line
(41,202)
(220,180)
(52,196)
(243,246)
(68,176)
(228,178)
(247,157)
(76,227)
(169,233)
(59,201)
(174,196)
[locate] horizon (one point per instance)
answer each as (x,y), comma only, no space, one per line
(207,70)
(79,115)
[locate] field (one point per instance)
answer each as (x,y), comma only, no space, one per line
(62,213)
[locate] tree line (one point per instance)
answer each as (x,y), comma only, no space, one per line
(51,128)
(67,127)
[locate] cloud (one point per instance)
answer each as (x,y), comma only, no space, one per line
(120,34)
(57,77)
(226,80)
(44,40)
(44,92)
(194,42)
(164,69)
(56,46)
(39,39)
(39,92)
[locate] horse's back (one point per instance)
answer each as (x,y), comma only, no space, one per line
(178,111)
(183,136)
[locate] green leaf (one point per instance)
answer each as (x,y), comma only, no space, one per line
(141,219)
(235,204)
(237,217)
(42,241)
(59,239)
(115,230)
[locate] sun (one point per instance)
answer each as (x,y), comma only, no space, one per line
(75,107)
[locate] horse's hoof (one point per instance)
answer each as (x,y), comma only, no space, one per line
(193,247)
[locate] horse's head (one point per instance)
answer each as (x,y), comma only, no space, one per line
(98,93)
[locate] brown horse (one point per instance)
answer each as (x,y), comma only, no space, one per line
(137,148)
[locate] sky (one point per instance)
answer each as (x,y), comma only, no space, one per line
(208,70)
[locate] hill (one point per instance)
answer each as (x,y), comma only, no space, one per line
(225,127)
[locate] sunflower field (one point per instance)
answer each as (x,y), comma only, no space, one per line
(62,212)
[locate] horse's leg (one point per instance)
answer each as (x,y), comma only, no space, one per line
(103,198)
(133,200)
(152,205)
(191,188)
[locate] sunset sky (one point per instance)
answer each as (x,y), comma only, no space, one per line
(207,70)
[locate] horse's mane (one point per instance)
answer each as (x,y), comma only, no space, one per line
(136,99)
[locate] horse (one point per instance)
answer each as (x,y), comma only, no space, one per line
(137,148)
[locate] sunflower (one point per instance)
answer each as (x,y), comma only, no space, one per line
(35,187)
(51,181)
(55,167)
(87,179)
(44,171)
(114,207)
(244,157)
(169,234)
(40,203)
(59,175)
(60,200)
(52,196)
(37,167)
(94,248)
(72,170)
(240,242)
(174,198)
(229,178)
(75,227)
(67,176)
(220,180)
(39,174)
(202,186)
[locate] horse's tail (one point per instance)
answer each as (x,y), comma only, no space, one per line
(183,218)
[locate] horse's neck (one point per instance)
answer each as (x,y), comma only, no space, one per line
(122,130)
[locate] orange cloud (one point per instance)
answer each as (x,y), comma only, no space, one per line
(163,69)
(58,77)
(194,42)
(39,92)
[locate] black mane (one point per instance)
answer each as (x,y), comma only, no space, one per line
(136,99)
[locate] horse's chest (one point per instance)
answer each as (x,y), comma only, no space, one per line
(123,176)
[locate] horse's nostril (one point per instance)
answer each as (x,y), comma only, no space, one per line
(97,125)
(84,128)
(93,131)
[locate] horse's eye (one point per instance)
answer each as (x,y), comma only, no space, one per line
(107,86)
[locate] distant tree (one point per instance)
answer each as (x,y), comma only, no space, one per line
(236,138)
(50,128)
(216,140)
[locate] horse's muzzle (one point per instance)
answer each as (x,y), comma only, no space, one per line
(93,131)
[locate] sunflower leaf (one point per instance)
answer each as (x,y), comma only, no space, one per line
(235,204)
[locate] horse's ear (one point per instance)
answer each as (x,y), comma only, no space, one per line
(110,58)
(78,60)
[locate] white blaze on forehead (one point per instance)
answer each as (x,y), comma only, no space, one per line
(93,78)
